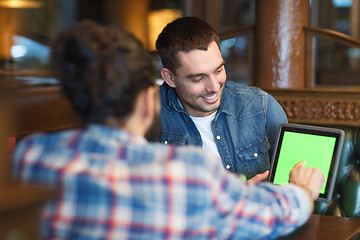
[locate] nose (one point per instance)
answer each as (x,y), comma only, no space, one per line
(212,84)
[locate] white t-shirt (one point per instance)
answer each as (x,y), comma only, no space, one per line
(203,124)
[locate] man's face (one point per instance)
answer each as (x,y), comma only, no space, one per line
(200,80)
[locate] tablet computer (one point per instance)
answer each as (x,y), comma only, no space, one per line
(319,146)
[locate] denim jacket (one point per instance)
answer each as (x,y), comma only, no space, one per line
(245,127)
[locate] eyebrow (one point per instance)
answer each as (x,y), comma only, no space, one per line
(193,75)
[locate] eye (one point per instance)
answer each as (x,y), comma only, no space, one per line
(218,71)
(197,78)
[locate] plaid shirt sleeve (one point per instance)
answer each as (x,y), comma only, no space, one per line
(245,210)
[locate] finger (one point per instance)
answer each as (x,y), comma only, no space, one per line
(259,177)
(301,163)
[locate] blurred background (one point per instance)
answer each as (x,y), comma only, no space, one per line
(28,28)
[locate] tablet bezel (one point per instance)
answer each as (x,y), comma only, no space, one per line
(316,130)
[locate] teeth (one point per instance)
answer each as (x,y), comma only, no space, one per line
(211,97)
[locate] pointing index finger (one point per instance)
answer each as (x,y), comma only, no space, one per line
(301,163)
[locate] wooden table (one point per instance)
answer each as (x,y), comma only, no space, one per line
(20,210)
(327,227)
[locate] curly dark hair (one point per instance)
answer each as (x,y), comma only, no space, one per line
(102,70)
(184,34)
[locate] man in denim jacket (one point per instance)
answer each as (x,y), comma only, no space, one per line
(199,107)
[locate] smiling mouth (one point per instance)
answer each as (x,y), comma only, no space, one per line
(210,97)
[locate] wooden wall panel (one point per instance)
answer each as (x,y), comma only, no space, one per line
(42,109)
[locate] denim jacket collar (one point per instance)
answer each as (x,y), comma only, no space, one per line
(172,98)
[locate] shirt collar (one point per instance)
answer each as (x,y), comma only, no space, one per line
(174,101)
(108,133)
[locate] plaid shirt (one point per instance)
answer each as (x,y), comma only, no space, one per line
(115,185)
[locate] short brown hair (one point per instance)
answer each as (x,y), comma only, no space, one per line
(183,34)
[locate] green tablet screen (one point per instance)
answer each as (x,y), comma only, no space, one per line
(316,150)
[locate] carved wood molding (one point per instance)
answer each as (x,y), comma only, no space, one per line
(329,107)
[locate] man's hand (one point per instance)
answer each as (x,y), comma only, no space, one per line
(311,179)
(259,177)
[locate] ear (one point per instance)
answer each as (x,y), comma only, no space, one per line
(148,105)
(168,77)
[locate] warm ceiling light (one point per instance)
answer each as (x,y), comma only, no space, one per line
(20,4)
(157,20)
(161,13)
